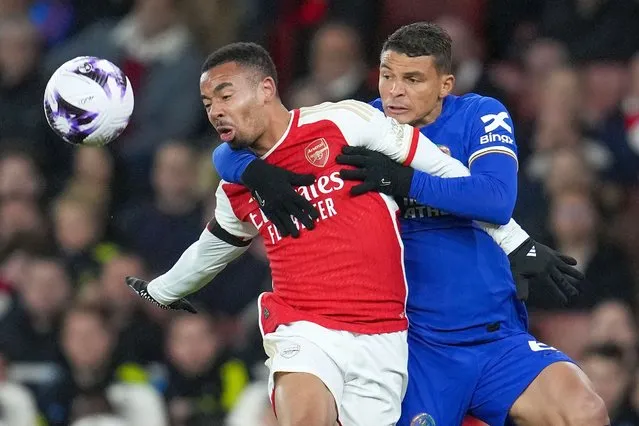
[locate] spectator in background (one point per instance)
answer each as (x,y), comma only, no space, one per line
(21,87)
(540,58)
(613,322)
(19,217)
(152,47)
(139,340)
(78,227)
(612,380)
(204,379)
(471,74)
(93,176)
(569,170)
(20,176)
(213,22)
(16,255)
(175,208)
(557,140)
(605,85)
(337,70)
(574,225)
(30,330)
(559,125)
(88,344)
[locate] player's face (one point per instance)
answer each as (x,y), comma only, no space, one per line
(411,88)
(234,103)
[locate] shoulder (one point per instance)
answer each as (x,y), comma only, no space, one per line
(338,112)
(481,112)
(473,104)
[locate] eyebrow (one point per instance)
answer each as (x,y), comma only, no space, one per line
(406,74)
(413,74)
(217,89)
(222,86)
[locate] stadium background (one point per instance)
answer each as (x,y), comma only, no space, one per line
(74,342)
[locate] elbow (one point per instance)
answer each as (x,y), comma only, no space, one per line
(503,211)
(501,218)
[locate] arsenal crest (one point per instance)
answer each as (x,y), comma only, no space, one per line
(317,152)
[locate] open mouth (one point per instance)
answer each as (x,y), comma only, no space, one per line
(226,133)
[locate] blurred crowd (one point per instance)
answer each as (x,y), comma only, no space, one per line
(76,346)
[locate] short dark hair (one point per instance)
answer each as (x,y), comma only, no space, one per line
(423,39)
(249,55)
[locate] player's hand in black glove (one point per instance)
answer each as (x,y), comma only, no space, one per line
(376,171)
(544,273)
(139,286)
(272,188)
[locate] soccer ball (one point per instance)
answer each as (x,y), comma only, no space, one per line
(88,101)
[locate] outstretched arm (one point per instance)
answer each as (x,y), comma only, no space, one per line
(198,265)
(224,239)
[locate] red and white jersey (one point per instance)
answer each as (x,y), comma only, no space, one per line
(347,273)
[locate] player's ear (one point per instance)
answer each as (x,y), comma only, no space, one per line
(447,84)
(269,89)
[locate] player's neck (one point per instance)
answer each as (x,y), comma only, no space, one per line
(279,120)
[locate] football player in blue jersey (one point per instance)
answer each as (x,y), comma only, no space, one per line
(469,348)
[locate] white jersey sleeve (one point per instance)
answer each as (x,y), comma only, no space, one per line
(217,246)
(363,125)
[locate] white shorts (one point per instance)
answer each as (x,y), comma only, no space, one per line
(366,374)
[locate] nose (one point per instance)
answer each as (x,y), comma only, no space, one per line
(215,112)
(397,89)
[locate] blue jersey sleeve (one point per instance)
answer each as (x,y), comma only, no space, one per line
(231,163)
(491,132)
(490,192)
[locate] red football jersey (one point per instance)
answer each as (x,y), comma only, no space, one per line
(347,273)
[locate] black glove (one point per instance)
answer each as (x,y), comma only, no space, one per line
(377,171)
(549,274)
(139,286)
(272,188)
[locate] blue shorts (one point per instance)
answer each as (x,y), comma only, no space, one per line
(484,380)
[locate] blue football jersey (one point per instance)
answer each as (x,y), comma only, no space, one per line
(461,288)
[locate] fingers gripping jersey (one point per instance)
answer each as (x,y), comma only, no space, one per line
(348,273)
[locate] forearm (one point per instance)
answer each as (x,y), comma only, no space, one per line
(476,197)
(197,266)
(488,194)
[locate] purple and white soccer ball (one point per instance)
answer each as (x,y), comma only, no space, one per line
(88,101)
